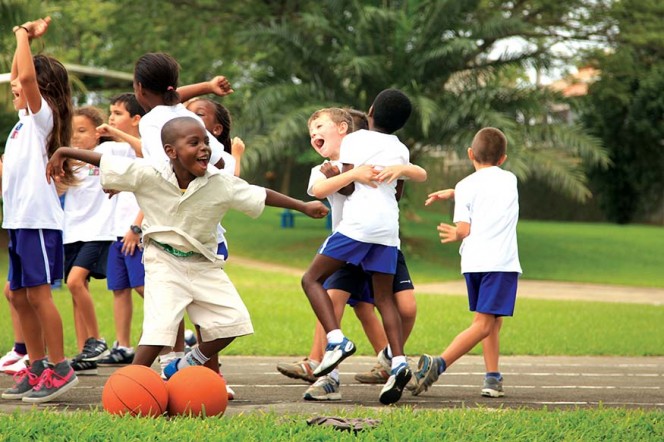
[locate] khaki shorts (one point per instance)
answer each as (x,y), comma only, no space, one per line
(174,284)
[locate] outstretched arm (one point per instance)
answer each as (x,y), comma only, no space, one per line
(313,209)
(106,130)
(400,172)
(365,174)
(450,233)
(446,194)
(54,167)
(219,86)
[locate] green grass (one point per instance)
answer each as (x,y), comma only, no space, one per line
(578,252)
(395,424)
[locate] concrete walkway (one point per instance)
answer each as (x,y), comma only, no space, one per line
(527,288)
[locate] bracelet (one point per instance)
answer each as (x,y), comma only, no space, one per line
(16,28)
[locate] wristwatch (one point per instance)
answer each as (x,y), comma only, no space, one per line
(136,229)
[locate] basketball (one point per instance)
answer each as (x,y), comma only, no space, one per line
(135,390)
(196,391)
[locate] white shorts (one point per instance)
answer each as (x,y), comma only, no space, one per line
(174,284)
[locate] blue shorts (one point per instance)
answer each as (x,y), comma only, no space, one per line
(372,257)
(124,271)
(222,250)
(352,279)
(492,293)
(36,257)
(90,255)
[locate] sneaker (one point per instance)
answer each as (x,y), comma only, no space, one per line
(26,380)
(384,361)
(427,373)
(51,385)
(10,358)
(324,389)
(93,350)
(84,368)
(377,375)
(493,387)
(303,369)
(334,354)
(17,366)
(118,356)
(394,386)
(166,359)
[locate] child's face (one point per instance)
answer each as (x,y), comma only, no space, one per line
(205,111)
(190,153)
(120,118)
(326,136)
(17,91)
(84,135)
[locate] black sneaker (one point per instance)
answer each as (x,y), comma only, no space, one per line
(118,356)
(93,350)
(84,368)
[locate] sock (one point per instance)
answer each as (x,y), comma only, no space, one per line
(397,361)
(194,357)
(334,374)
(388,352)
(493,374)
(442,366)
(19,347)
(335,336)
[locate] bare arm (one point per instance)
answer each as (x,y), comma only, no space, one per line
(407,171)
(313,209)
(364,174)
(439,195)
(54,167)
(219,86)
(109,131)
(23,66)
(237,150)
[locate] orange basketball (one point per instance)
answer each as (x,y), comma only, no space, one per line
(135,390)
(197,391)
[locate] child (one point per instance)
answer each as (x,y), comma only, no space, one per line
(367,234)
(183,202)
(125,269)
(486,212)
(33,216)
(16,358)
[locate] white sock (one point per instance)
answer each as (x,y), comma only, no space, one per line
(398,360)
(335,336)
(334,374)
(388,351)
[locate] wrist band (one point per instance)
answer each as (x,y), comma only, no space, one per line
(16,28)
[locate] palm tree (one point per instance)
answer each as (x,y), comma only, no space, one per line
(343,52)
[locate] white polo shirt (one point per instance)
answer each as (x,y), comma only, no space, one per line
(336,199)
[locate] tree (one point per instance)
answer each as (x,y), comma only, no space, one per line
(625,108)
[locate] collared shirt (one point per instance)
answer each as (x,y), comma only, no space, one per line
(186,221)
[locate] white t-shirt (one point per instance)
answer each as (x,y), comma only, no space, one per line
(89,212)
(150,130)
(29,202)
(370,214)
(126,207)
(489,200)
(336,199)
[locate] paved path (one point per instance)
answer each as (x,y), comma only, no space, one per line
(530,382)
(527,288)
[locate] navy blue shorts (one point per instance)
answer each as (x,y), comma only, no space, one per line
(36,257)
(124,271)
(352,279)
(372,257)
(90,255)
(492,293)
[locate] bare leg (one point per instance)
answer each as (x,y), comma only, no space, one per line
(41,299)
(30,325)
(146,354)
(469,338)
(407,308)
(386,304)
(16,321)
(491,347)
(312,283)
(371,325)
(83,304)
(318,344)
(123,309)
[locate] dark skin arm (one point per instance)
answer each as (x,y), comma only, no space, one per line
(313,209)
(347,190)
(54,166)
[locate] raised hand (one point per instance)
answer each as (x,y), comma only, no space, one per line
(439,195)
(220,86)
(315,209)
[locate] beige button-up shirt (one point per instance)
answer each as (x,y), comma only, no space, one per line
(186,221)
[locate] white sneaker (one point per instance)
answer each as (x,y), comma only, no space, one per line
(166,359)
(17,366)
(10,358)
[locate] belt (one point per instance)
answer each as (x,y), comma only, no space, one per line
(173,251)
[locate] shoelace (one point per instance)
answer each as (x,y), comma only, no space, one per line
(20,375)
(46,379)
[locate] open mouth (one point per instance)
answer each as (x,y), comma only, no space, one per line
(203,161)
(319,143)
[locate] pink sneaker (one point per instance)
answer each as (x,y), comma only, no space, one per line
(25,380)
(51,384)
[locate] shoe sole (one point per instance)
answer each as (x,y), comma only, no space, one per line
(15,395)
(65,388)
(113,363)
(329,369)
(310,378)
(94,372)
(327,397)
(394,394)
(487,392)
(98,357)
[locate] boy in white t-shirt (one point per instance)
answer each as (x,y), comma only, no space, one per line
(183,202)
(486,212)
(367,235)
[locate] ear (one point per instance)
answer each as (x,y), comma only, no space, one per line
(343,128)
(135,120)
(170,151)
(502,160)
(217,130)
(471,155)
(371,112)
